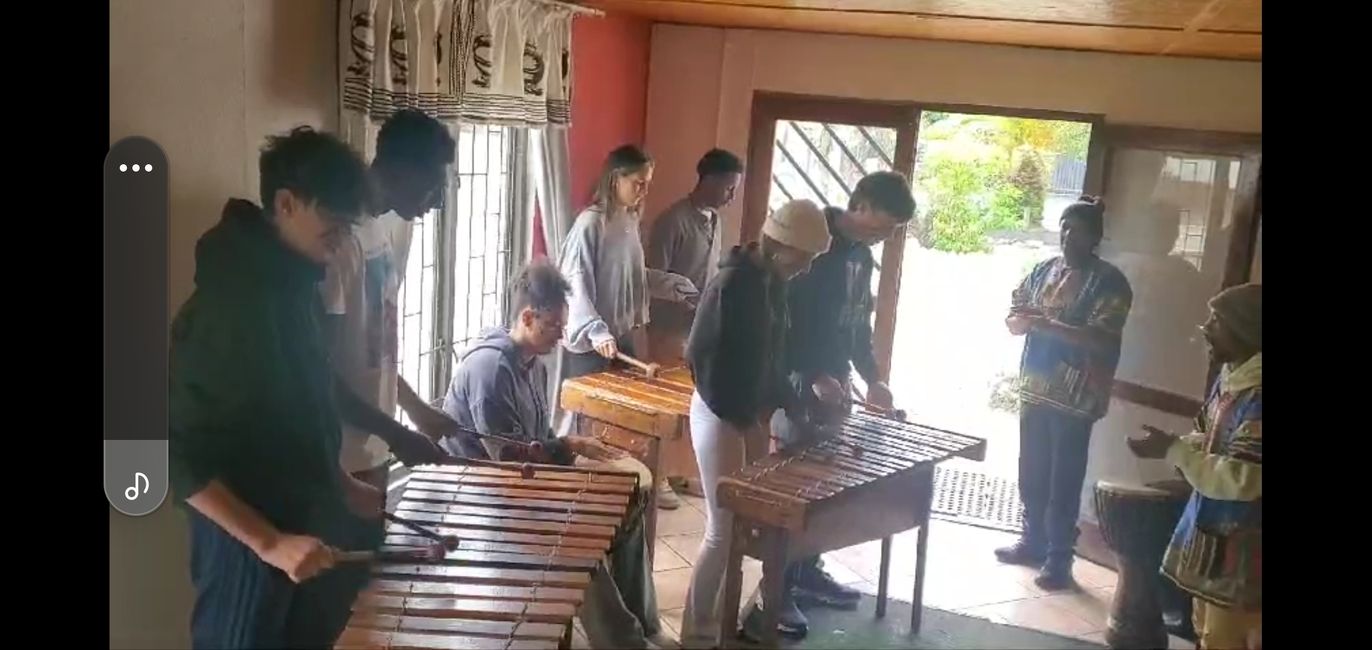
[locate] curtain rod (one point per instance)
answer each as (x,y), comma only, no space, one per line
(574,8)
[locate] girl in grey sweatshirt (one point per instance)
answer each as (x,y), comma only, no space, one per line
(602,258)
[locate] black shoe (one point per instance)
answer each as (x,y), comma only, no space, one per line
(813,584)
(1055,576)
(1021,554)
(791,623)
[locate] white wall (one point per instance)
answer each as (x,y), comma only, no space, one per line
(702,79)
(207,80)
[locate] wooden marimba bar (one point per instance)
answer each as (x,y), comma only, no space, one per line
(871,480)
(525,556)
(649,418)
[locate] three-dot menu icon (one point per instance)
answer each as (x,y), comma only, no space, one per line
(145,167)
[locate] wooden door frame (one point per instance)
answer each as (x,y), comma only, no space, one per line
(769,107)
(1238,263)
(904,117)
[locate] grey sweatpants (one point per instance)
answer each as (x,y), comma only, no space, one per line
(620,610)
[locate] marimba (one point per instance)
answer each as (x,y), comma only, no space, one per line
(649,418)
(526,551)
(872,479)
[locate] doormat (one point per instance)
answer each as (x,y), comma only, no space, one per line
(976,499)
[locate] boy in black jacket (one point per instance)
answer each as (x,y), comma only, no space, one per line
(830,335)
(253,426)
(736,354)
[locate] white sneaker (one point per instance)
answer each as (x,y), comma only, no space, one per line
(666,497)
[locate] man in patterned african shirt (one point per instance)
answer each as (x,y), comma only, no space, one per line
(1071,309)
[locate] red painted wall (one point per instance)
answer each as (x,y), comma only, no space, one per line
(609,96)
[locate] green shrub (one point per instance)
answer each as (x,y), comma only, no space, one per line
(1007,208)
(957,215)
(1030,177)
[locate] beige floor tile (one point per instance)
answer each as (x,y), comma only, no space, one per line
(671,619)
(694,501)
(671,588)
(665,558)
(686,545)
(680,521)
(1091,605)
(961,575)
(1092,575)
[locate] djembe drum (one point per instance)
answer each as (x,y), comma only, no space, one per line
(1137,522)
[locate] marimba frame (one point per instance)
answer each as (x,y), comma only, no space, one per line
(886,510)
(528,549)
(892,502)
(621,408)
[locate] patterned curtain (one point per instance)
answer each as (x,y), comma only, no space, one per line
(505,62)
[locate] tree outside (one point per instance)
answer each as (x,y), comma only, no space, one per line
(980,174)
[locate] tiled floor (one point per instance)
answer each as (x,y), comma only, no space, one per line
(962,576)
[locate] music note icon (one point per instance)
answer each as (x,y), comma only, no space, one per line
(132,492)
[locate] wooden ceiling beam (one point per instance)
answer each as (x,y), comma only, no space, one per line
(1189,38)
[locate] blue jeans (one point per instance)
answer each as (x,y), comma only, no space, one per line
(243,602)
(1053,448)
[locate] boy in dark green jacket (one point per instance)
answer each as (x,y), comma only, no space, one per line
(254,429)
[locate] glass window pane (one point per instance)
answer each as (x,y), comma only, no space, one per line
(1170,219)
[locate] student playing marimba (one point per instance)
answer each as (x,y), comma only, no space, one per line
(736,352)
(602,259)
(685,240)
(499,390)
(830,336)
(253,430)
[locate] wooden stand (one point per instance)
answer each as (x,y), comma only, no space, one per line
(871,479)
(649,418)
(886,508)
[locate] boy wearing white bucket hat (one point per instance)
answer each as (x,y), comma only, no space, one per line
(736,355)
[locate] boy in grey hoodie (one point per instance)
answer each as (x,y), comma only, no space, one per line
(500,388)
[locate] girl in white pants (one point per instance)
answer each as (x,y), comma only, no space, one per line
(735,352)
(719,450)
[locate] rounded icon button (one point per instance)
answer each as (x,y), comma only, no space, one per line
(136,475)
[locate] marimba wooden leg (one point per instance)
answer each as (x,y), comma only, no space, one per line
(925,502)
(774,586)
(733,585)
(884,578)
